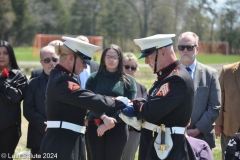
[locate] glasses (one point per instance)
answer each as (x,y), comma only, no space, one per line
(48,60)
(111,57)
(189,47)
(132,68)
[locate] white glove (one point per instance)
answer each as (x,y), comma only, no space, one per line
(132,121)
(125,100)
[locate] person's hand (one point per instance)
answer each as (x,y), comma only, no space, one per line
(129,111)
(218,130)
(86,122)
(46,126)
(193,132)
(101,130)
(108,121)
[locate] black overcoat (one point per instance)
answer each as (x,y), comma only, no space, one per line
(12,90)
(34,110)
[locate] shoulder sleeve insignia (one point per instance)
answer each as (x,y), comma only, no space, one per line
(164,90)
(73,86)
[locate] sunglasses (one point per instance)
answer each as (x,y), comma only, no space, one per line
(132,68)
(48,60)
(182,47)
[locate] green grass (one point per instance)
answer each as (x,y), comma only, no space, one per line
(25,54)
(28,54)
(217,153)
(218,58)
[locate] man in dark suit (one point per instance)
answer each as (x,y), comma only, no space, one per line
(36,72)
(33,106)
(207,91)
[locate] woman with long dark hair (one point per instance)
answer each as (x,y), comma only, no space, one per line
(107,140)
(12,88)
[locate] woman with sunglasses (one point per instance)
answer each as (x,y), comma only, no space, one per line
(130,63)
(107,142)
(12,89)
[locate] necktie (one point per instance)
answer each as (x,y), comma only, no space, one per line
(189,70)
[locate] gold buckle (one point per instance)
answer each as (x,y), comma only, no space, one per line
(163,147)
(162,128)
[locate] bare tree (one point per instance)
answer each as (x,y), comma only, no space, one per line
(142,10)
(230,25)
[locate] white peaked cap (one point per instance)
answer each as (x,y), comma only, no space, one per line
(148,44)
(77,45)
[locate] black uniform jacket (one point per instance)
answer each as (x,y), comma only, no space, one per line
(34,110)
(12,91)
(66,101)
(169,102)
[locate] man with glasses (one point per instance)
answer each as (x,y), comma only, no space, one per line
(38,71)
(207,90)
(33,105)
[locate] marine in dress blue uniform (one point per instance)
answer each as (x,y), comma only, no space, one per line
(67,103)
(168,107)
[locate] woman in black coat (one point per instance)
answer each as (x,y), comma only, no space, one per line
(12,88)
